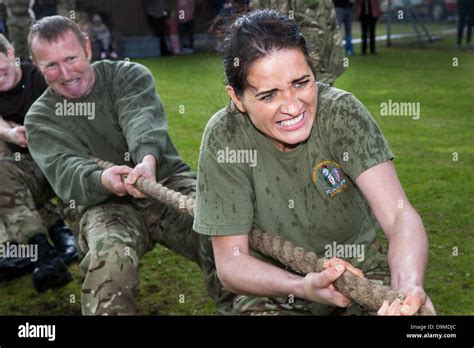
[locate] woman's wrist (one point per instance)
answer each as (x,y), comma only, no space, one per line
(298,287)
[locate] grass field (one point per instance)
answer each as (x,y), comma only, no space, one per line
(440,188)
(403,28)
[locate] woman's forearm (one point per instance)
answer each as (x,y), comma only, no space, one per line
(408,250)
(245,274)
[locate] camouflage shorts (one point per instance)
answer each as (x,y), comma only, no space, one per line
(115,236)
(375,268)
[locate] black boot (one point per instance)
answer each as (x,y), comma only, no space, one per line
(50,271)
(64,241)
(12,267)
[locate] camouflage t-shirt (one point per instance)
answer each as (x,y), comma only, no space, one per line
(308,195)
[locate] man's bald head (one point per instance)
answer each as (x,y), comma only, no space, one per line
(50,29)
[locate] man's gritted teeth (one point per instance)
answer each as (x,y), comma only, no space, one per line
(71,82)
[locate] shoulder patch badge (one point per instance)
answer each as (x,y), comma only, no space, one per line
(329,175)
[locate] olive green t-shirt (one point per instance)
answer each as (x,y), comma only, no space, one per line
(121,120)
(307,196)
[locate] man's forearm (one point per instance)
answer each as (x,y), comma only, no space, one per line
(4,129)
(150,160)
(408,250)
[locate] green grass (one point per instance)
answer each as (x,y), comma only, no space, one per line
(399,27)
(441,189)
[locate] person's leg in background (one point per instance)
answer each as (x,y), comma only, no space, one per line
(372,30)
(53,216)
(186,36)
(190,31)
(462,15)
(347,19)
(22,188)
(470,24)
(158,27)
(340,16)
(364,27)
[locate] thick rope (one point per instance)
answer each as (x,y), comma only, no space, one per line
(360,290)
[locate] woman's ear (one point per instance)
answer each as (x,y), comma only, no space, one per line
(235,98)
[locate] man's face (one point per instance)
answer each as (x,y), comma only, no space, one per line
(65,65)
(10,72)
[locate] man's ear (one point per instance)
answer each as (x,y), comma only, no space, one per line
(32,56)
(88,48)
(10,53)
(235,99)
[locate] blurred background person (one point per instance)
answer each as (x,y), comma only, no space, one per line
(155,11)
(24,190)
(368,12)
(466,18)
(101,33)
(3,18)
(84,23)
(345,16)
(20,17)
(186,12)
(45,8)
(65,7)
(172,32)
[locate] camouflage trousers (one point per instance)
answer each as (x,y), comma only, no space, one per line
(66,8)
(23,188)
(19,21)
(18,29)
(114,236)
(375,268)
